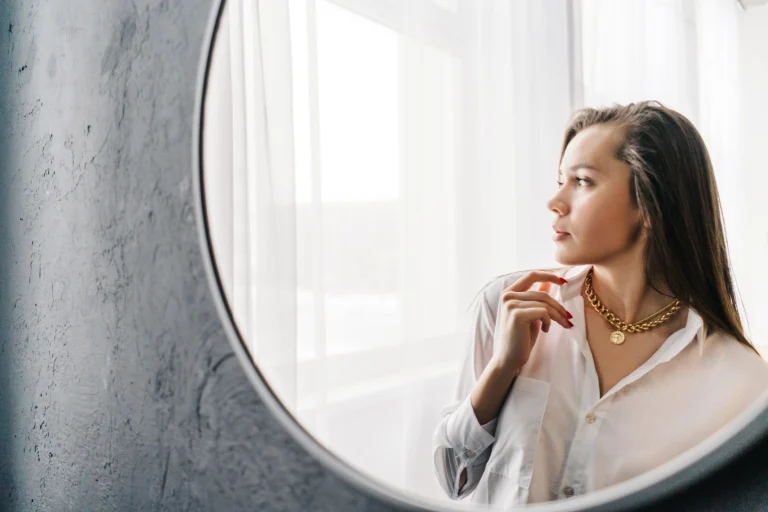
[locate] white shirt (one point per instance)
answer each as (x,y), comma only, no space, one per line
(555,437)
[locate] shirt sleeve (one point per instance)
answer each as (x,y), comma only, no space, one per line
(460,441)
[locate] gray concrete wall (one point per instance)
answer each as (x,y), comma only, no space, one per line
(118,388)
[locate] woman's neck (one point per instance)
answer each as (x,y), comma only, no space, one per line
(624,291)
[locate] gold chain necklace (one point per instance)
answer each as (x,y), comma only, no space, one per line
(617,337)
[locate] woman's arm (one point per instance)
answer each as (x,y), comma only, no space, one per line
(487,397)
(462,442)
(491,391)
(463,438)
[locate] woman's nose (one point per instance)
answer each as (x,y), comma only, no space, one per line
(556,205)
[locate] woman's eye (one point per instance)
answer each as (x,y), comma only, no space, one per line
(560,183)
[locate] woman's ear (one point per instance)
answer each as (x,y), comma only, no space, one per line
(646,221)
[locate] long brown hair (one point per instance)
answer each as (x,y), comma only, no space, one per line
(673,183)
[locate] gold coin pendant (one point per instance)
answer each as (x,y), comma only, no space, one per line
(617,337)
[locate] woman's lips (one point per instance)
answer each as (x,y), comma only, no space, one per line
(559,235)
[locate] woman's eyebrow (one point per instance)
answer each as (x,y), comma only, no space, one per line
(581,166)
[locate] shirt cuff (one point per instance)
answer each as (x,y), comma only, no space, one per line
(490,427)
(465,432)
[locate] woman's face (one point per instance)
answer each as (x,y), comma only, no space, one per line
(592,203)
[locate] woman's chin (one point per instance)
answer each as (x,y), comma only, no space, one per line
(565,256)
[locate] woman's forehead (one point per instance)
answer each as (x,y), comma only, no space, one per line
(593,147)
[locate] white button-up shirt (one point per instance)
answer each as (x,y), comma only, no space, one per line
(555,437)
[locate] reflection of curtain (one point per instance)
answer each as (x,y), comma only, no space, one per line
(382,159)
(251,173)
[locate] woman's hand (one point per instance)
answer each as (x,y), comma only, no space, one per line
(521,314)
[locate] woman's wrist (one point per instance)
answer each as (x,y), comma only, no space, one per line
(504,367)
(491,390)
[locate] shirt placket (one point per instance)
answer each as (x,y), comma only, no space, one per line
(578,468)
(592,410)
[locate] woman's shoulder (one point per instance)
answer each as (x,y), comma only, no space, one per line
(736,358)
(737,373)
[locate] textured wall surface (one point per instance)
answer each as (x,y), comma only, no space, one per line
(118,388)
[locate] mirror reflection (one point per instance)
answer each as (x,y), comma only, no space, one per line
(495,252)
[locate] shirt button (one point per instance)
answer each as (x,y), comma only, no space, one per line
(590,418)
(470,453)
(568,491)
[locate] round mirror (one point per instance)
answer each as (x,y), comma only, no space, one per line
(495,253)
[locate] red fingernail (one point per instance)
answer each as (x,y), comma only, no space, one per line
(569,323)
(563,280)
(569,314)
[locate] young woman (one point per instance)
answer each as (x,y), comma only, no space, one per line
(580,377)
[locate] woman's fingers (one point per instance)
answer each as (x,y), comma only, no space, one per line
(532,313)
(534,276)
(552,312)
(538,296)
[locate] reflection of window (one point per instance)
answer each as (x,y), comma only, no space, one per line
(376,167)
(352,215)
(354,323)
(358,103)
(373,185)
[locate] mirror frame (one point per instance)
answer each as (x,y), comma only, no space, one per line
(746,430)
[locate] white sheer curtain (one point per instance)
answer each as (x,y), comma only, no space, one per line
(372,163)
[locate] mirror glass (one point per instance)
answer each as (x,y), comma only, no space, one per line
(382,179)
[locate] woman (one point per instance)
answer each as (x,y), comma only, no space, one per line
(641,353)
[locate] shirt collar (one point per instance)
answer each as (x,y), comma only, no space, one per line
(577,275)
